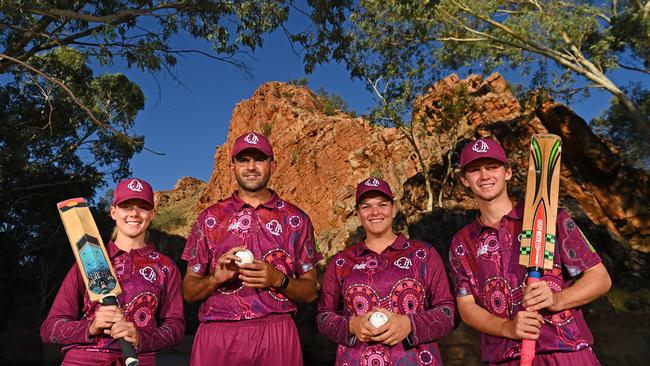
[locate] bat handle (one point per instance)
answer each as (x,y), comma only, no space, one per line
(128,352)
(528,345)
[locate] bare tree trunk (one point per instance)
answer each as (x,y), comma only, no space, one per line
(425,172)
(447,174)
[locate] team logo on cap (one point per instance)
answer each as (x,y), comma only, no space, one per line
(372,182)
(135,186)
(252,138)
(480,146)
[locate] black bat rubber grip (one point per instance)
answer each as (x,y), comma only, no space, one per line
(128,352)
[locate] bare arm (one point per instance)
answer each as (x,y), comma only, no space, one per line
(198,288)
(526,324)
(594,282)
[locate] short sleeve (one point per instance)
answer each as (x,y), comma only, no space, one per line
(576,253)
(460,275)
(196,251)
(306,253)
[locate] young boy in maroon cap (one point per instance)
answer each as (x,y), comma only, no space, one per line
(246,311)
(401,278)
(150,311)
(490,285)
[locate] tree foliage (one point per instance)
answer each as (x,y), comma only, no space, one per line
(564,46)
(51,150)
(63,129)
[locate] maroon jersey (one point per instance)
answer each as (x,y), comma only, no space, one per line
(275,231)
(151,298)
(407,278)
(485,264)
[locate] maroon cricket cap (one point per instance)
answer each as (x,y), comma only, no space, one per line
(133,188)
(373,184)
(252,140)
(482,148)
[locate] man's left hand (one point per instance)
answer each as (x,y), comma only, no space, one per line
(538,296)
(260,274)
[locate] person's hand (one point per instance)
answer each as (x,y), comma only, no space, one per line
(126,330)
(105,317)
(525,325)
(226,268)
(538,295)
(260,274)
(360,327)
(396,329)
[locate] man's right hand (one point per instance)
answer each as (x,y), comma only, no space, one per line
(226,268)
(361,328)
(525,325)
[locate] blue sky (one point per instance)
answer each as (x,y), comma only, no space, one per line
(187,122)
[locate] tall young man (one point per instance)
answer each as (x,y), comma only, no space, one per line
(490,285)
(246,311)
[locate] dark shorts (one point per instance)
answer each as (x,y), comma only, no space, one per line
(584,357)
(272,340)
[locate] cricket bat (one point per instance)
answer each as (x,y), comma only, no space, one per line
(93,260)
(540,216)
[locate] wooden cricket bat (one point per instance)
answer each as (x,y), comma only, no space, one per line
(540,216)
(93,260)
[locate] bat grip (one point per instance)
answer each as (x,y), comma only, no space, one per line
(528,345)
(128,352)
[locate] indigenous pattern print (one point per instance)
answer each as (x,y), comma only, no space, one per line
(281,260)
(151,299)
(275,231)
(407,278)
(485,264)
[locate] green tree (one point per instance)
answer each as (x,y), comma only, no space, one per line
(449,114)
(564,46)
(63,128)
(50,150)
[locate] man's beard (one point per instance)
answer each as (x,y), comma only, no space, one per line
(253,186)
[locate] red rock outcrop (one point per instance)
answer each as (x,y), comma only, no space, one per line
(321,158)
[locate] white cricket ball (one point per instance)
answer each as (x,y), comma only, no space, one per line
(245,256)
(377,319)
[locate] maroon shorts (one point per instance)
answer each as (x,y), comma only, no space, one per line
(272,340)
(79,357)
(584,357)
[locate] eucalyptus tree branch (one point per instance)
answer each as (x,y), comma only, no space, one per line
(118,17)
(632,68)
(72,95)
